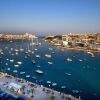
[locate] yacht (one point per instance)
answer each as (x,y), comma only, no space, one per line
(11,60)
(15,71)
(63,87)
(38,56)
(50,63)
(48,55)
(39,71)
(80,59)
(68,74)
(16,65)
(27,76)
(91,54)
(19,62)
(33,61)
(48,82)
(54,84)
(22,72)
(69,59)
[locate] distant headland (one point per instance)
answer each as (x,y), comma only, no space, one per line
(17,36)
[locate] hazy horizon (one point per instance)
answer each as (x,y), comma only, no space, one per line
(57,16)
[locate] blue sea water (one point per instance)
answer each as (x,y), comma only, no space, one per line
(81,78)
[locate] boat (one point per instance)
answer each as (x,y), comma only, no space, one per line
(33,61)
(68,74)
(63,87)
(38,56)
(80,60)
(75,91)
(54,84)
(16,53)
(50,49)
(11,60)
(48,82)
(22,72)
(91,54)
(69,59)
(50,63)
(16,50)
(8,68)
(16,65)
(39,71)
(35,49)
(15,71)
(19,62)
(34,77)
(38,66)
(57,44)
(27,76)
(48,55)
(21,50)
(6,64)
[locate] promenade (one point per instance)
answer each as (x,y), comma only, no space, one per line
(30,91)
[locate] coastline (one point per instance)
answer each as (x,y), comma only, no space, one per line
(39,90)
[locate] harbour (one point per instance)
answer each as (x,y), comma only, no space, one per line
(21,59)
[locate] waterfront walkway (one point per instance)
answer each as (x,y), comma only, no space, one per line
(28,90)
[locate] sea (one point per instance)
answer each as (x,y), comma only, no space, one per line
(79,77)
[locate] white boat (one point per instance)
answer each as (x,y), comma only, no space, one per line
(39,71)
(8,68)
(80,60)
(21,50)
(6,64)
(11,60)
(38,56)
(15,71)
(91,54)
(54,84)
(22,72)
(34,77)
(19,62)
(48,82)
(16,53)
(57,44)
(68,74)
(35,49)
(27,76)
(48,55)
(16,50)
(63,87)
(7,59)
(50,49)
(38,66)
(16,65)
(11,49)
(69,59)
(32,52)
(50,63)
(33,61)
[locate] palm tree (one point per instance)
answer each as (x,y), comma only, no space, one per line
(52,96)
(32,91)
(23,88)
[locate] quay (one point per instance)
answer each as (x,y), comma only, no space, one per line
(30,91)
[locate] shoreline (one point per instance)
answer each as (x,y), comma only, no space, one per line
(39,90)
(75,48)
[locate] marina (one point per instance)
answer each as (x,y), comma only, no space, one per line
(65,71)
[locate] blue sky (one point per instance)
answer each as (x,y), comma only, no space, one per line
(49,16)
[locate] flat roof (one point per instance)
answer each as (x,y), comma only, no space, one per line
(17,86)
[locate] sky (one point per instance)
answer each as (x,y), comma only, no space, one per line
(49,16)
